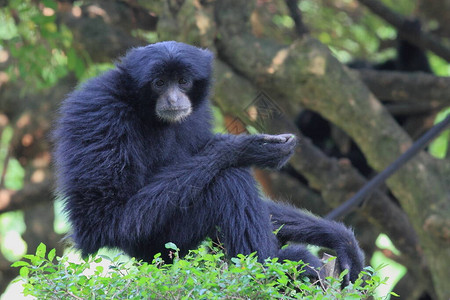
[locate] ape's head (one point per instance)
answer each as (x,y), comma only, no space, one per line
(170,79)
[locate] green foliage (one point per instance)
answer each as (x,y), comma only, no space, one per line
(95,70)
(12,226)
(204,273)
(43,50)
(352,32)
(439,147)
(439,66)
(392,268)
(15,173)
(345,29)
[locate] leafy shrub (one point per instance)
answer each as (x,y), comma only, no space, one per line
(204,273)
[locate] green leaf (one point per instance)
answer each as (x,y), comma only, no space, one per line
(33,258)
(20,263)
(80,68)
(98,260)
(71,59)
(51,254)
(283,280)
(41,250)
(50,4)
(24,271)
(171,246)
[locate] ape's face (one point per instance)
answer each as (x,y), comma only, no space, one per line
(171,80)
(172,102)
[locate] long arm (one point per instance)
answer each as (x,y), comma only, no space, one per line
(180,185)
(202,192)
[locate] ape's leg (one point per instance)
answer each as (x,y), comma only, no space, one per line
(179,191)
(229,208)
(301,227)
(243,218)
(180,185)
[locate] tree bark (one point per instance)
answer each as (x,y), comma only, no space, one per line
(411,87)
(336,179)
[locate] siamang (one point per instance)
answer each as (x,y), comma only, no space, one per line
(138,166)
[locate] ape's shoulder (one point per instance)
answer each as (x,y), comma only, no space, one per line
(111,86)
(99,98)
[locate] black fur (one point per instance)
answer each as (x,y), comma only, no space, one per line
(135,182)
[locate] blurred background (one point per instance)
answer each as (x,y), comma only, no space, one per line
(358,81)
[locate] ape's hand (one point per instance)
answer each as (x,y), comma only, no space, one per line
(265,151)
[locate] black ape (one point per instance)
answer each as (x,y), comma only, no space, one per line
(139,167)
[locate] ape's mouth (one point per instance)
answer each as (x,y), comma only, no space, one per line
(174,114)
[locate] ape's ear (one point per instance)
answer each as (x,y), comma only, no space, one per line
(208,56)
(201,63)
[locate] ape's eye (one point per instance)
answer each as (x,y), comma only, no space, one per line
(182,81)
(159,83)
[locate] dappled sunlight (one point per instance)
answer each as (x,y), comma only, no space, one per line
(23,121)
(76,11)
(5,198)
(38,176)
(203,23)
(4,55)
(97,11)
(317,65)
(278,60)
(4,78)
(48,12)
(375,105)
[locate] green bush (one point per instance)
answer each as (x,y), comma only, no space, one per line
(204,273)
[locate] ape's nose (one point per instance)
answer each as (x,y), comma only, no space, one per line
(172,100)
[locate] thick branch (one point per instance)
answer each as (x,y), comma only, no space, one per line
(401,86)
(419,38)
(337,180)
(103,29)
(409,109)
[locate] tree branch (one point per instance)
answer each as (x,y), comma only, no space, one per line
(103,29)
(410,109)
(29,195)
(419,38)
(337,180)
(402,86)
(296,15)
